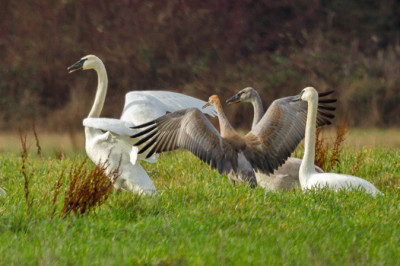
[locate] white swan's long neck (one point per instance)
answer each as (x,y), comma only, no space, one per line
(307,165)
(101,90)
(224,125)
(258,109)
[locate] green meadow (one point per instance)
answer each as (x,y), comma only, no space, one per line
(198,218)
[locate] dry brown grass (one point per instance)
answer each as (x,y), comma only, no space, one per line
(59,143)
(27,176)
(327,154)
(87,189)
(57,187)
(39,149)
(321,149)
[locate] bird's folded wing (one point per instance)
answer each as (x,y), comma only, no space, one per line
(188,129)
(172,101)
(279,132)
(116,126)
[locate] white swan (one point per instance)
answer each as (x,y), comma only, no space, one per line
(108,139)
(308,177)
(286,176)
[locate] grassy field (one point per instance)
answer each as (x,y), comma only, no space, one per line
(70,143)
(198,217)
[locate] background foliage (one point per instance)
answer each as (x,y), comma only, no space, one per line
(198,48)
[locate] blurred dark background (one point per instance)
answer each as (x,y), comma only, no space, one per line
(198,48)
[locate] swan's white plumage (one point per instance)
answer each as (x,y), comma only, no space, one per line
(108,139)
(339,181)
(309,179)
(143,106)
(117,151)
(117,126)
(104,147)
(285,177)
(118,129)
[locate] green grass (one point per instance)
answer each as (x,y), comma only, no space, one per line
(198,217)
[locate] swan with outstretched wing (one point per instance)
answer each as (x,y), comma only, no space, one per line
(108,139)
(286,176)
(263,149)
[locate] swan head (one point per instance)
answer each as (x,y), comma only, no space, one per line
(86,62)
(212,101)
(245,95)
(307,94)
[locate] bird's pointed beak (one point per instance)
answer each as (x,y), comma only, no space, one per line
(77,66)
(233,99)
(297,98)
(206,105)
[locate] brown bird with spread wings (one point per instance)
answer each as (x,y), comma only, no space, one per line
(263,149)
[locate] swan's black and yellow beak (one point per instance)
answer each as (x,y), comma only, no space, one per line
(234,99)
(206,105)
(77,66)
(297,98)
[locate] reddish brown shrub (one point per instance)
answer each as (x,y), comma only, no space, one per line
(87,189)
(327,155)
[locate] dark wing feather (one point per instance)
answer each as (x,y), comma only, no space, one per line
(280,130)
(191,130)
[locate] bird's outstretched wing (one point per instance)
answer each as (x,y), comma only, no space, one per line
(188,129)
(170,101)
(281,129)
(120,130)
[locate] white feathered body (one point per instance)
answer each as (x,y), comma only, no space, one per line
(284,178)
(339,181)
(117,151)
(308,177)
